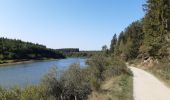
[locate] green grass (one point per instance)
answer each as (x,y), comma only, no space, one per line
(125,85)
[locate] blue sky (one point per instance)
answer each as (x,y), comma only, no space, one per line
(84,24)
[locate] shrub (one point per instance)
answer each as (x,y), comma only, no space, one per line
(103,67)
(75,86)
(71,84)
(28,93)
(52,83)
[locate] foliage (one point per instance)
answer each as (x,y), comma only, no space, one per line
(71,84)
(147,37)
(103,67)
(156,27)
(81,54)
(113,44)
(67,50)
(75,85)
(12,49)
(52,83)
(98,66)
(117,68)
(129,41)
(75,52)
(28,93)
(105,50)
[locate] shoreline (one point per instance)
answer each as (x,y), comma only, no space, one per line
(24,62)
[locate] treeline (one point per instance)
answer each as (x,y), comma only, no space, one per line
(68,50)
(75,52)
(82,54)
(12,49)
(148,37)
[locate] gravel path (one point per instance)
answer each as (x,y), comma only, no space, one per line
(148,87)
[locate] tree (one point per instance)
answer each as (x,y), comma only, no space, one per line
(105,49)
(129,41)
(12,49)
(156,27)
(113,44)
(134,38)
(1,48)
(120,39)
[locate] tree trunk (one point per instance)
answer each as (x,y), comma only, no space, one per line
(61,97)
(75,97)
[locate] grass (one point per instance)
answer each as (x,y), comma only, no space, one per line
(116,88)
(9,62)
(162,72)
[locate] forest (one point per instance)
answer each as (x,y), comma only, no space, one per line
(147,37)
(12,49)
(67,50)
(75,52)
(146,42)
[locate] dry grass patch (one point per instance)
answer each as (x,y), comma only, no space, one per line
(117,88)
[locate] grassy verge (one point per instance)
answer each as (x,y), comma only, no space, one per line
(116,88)
(11,62)
(161,71)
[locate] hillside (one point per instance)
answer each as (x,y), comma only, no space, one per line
(12,49)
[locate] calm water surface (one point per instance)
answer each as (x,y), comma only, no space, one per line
(32,73)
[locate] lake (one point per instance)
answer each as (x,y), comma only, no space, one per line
(32,73)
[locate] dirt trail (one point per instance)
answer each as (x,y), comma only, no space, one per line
(148,87)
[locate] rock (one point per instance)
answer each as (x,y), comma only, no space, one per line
(149,62)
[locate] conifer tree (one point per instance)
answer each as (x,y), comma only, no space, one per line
(113,44)
(156,27)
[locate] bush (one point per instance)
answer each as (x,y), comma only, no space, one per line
(71,84)
(28,93)
(52,83)
(97,66)
(103,67)
(75,86)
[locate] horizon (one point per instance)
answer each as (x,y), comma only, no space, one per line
(60,24)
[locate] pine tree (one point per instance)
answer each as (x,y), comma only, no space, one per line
(113,44)
(156,27)
(130,40)
(120,39)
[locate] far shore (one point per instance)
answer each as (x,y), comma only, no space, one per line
(25,61)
